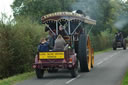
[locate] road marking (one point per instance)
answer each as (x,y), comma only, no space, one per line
(105,59)
(51,82)
(69,81)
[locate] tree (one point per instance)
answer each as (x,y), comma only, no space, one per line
(121,22)
(38,8)
(18,46)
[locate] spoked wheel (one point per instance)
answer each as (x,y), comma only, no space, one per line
(124,44)
(92,59)
(84,53)
(39,73)
(89,54)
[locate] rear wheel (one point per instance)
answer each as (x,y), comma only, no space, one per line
(74,71)
(92,59)
(114,46)
(124,45)
(84,53)
(39,73)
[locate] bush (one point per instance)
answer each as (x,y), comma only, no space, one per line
(102,41)
(18,46)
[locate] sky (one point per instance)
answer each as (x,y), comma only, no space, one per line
(5,7)
(124,0)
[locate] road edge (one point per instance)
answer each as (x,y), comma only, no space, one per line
(17,78)
(124,80)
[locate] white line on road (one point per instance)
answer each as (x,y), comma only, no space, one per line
(102,61)
(105,59)
(69,81)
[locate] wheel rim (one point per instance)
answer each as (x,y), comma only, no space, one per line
(92,62)
(89,54)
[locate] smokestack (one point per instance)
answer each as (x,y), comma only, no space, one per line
(88,7)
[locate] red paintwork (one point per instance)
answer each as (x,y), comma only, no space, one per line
(56,63)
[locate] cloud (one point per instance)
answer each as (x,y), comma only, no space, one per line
(5,7)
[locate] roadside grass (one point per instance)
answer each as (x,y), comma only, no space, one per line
(125,79)
(13,80)
(106,50)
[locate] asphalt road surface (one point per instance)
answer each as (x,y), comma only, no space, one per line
(109,69)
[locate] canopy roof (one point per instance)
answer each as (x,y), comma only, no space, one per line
(68,16)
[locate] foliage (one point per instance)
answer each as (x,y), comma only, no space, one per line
(18,45)
(103,11)
(102,41)
(121,22)
(38,8)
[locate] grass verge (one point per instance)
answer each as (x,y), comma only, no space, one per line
(13,80)
(125,79)
(106,50)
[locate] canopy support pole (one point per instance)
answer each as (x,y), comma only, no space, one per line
(90,30)
(69,28)
(76,28)
(56,27)
(51,30)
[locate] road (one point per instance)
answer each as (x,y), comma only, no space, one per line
(109,69)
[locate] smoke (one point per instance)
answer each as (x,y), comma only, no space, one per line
(121,22)
(89,7)
(93,8)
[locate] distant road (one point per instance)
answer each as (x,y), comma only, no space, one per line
(109,69)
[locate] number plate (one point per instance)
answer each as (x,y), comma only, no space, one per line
(51,55)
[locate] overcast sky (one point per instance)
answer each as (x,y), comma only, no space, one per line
(5,7)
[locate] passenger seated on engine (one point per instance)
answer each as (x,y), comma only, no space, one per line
(59,43)
(119,37)
(62,31)
(43,46)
